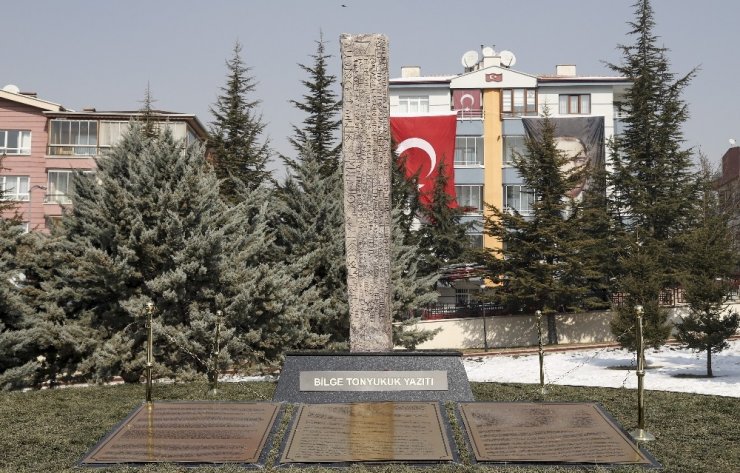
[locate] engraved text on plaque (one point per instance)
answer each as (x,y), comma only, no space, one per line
(372,431)
(547,432)
(189,432)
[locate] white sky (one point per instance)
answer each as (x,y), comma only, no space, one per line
(83,53)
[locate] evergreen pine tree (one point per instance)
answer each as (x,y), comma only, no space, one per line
(311,229)
(652,179)
(236,132)
(710,261)
(594,243)
(405,196)
(320,128)
(443,236)
(17,364)
(154,229)
(148,119)
(537,267)
(38,343)
(51,343)
(310,225)
(411,288)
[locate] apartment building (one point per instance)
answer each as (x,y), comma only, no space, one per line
(42,143)
(497,107)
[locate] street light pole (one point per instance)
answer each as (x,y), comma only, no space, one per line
(541,352)
(149,352)
(640,434)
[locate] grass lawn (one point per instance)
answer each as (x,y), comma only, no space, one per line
(44,431)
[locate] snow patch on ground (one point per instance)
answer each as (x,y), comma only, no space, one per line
(669,369)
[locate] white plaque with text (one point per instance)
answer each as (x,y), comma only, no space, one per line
(373,381)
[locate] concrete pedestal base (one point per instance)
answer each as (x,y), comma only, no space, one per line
(328,377)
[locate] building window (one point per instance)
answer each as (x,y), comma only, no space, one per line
(470,198)
(14,187)
(60,185)
(111,132)
(73,137)
(52,221)
(462,296)
(469,151)
(516,102)
(476,240)
(513,145)
(58,188)
(191,137)
(519,198)
(15,142)
(575,104)
(413,104)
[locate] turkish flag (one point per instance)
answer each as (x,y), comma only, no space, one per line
(425,142)
(467,100)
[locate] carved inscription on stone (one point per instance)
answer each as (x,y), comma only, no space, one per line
(189,432)
(548,433)
(372,431)
(367,187)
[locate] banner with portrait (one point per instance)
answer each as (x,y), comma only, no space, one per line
(580,138)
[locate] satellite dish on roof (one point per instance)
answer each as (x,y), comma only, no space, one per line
(488,52)
(507,58)
(470,58)
(12,88)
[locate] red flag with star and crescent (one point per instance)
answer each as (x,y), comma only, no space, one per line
(425,142)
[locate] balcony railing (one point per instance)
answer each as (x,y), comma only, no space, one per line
(469,114)
(57,198)
(73,150)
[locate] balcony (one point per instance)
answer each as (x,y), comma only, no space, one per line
(84,151)
(469,114)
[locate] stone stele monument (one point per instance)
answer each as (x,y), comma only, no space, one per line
(372,370)
(367,190)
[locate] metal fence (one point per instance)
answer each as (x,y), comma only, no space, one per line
(669,297)
(452,311)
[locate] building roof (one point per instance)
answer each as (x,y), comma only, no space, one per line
(30,100)
(423,79)
(545,79)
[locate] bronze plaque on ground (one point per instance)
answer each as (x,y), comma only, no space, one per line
(533,432)
(368,432)
(189,432)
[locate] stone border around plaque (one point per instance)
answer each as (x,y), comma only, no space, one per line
(446,431)
(317,377)
(651,462)
(267,441)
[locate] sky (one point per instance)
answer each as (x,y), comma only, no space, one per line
(103,54)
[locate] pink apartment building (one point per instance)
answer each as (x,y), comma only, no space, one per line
(42,143)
